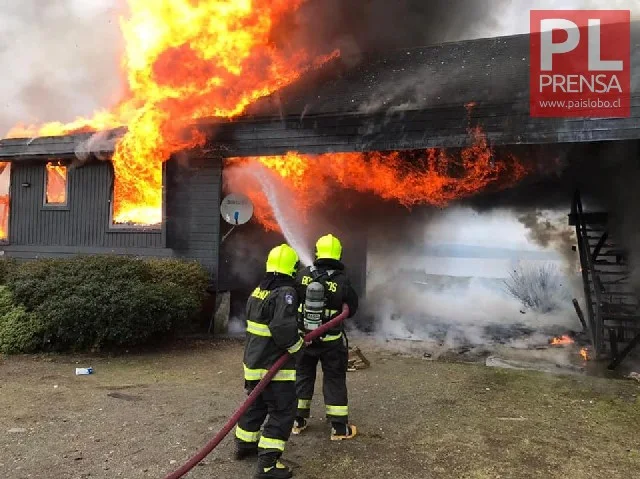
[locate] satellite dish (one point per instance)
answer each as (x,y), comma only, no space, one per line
(236,209)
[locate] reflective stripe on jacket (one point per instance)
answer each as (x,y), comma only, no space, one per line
(272,328)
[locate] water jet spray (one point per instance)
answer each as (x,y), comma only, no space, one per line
(293,235)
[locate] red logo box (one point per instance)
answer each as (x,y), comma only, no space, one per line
(580,63)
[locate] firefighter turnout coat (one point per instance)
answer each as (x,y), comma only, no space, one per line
(331,273)
(271,332)
(272,328)
(330,349)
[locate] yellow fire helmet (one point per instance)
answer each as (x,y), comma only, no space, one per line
(282,259)
(329,247)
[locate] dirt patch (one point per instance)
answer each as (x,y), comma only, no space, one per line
(141,416)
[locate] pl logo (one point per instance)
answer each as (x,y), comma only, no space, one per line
(580,63)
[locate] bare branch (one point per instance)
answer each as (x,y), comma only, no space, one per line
(538,287)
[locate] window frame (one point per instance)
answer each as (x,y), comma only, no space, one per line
(56,206)
(127,228)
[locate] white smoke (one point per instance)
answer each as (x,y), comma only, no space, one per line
(462,301)
(96,144)
(61,59)
(413,310)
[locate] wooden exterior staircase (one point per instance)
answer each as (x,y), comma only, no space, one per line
(613,312)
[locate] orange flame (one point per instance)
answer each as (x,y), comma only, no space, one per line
(184,60)
(562,340)
(56,190)
(584,354)
(434,177)
(5,174)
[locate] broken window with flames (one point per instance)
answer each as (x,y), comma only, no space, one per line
(55,190)
(137,202)
(5,182)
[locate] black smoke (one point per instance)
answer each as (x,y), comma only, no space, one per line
(358,26)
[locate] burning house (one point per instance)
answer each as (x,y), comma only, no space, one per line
(418,126)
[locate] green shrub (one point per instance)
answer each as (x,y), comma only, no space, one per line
(19,331)
(188,278)
(6,266)
(97,302)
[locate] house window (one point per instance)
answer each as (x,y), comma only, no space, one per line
(5,183)
(55,189)
(137,204)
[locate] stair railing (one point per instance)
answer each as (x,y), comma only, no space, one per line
(596,325)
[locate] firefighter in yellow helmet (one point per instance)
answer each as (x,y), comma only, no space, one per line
(323,288)
(272,330)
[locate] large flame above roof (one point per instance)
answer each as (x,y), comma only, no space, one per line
(184,60)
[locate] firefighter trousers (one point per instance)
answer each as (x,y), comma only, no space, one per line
(278,401)
(334,359)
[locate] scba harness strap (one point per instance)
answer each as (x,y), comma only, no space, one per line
(316,273)
(314,312)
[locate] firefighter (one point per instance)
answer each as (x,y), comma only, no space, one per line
(323,288)
(272,330)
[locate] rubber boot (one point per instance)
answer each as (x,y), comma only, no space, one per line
(269,467)
(341,431)
(245,451)
(299,425)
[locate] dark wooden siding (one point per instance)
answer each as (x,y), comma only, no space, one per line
(83,224)
(193,217)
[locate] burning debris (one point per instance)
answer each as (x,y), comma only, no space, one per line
(458,334)
(568,340)
(562,340)
(584,354)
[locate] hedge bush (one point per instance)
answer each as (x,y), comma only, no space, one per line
(98,302)
(19,331)
(6,265)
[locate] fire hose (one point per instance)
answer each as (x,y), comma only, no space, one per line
(233,420)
